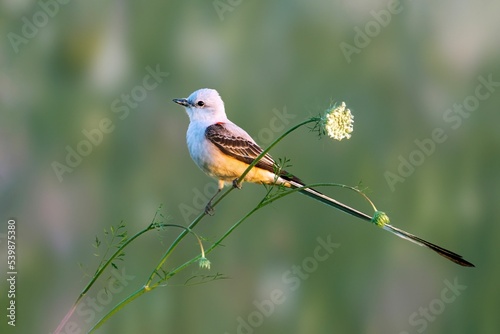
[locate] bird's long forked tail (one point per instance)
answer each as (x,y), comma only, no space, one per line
(380,223)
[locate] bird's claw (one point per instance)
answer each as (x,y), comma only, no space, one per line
(209,209)
(236,184)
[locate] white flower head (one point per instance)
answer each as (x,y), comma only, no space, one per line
(204,263)
(338,122)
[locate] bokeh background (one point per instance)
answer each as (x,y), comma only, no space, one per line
(265,59)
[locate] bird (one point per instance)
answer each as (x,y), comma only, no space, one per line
(223,151)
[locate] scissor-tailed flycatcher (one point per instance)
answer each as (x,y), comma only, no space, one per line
(223,151)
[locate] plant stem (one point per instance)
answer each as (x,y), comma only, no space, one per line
(101,270)
(147,286)
(119,306)
(260,206)
(322,184)
(276,141)
(172,247)
(240,179)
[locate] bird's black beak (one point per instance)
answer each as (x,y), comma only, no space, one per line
(182,102)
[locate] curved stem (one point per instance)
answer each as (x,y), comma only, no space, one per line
(323,184)
(172,247)
(215,244)
(101,269)
(148,287)
(240,179)
(192,232)
(262,204)
(118,307)
(276,141)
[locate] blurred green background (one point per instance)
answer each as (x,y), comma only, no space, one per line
(71,69)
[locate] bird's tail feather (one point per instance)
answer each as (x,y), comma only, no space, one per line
(331,202)
(296,183)
(421,242)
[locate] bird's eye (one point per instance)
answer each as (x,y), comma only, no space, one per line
(200,103)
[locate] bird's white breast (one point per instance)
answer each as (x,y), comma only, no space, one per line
(199,147)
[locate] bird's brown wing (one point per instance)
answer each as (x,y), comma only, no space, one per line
(237,147)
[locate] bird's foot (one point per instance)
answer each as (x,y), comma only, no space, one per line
(236,184)
(209,209)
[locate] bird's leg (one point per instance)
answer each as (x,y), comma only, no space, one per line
(236,184)
(209,210)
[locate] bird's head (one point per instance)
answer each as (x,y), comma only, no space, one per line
(204,105)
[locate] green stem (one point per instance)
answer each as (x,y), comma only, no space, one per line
(263,204)
(101,269)
(276,141)
(203,214)
(119,306)
(148,287)
(172,247)
(317,185)
(215,244)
